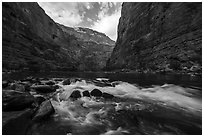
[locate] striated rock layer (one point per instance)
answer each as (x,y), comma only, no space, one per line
(159,36)
(32,40)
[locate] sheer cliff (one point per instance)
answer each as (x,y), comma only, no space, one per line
(32,40)
(159,37)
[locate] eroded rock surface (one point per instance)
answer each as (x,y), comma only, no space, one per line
(159,37)
(31,40)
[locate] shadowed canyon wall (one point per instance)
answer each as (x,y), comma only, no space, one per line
(32,40)
(158,37)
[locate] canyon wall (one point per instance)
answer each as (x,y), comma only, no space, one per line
(159,37)
(32,40)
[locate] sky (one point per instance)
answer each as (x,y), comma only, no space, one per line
(100,16)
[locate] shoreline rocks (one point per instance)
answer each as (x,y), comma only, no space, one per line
(14,100)
(18,123)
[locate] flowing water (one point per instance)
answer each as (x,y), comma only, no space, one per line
(142,104)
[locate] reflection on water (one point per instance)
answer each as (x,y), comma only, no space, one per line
(140,79)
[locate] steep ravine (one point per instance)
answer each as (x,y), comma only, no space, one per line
(159,37)
(32,40)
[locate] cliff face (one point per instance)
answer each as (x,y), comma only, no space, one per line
(31,39)
(158,36)
(92,48)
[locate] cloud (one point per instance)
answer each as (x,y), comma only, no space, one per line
(102,16)
(67,13)
(107,23)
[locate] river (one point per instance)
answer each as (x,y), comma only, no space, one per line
(143,104)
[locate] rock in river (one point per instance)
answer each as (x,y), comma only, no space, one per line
(107,96)
(43,88)
(96,93)
(75,94)
(86,93)
(44,111)
(14,100)
(66,82)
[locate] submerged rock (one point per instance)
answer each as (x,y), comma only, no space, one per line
(86,93)
(66,82)
(16,123)
(13,100)
(43,88)
(44,111)
(107,96)
(96,93)
(75,94)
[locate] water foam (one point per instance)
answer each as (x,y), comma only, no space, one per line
(169,94)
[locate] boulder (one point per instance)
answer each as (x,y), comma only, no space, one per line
(14,100)
(86,93)
(44,111)
(107,96)
(66,82)
(39,99)
(43,88)
(75,94)
(96,93)
(56,86)
(16,123)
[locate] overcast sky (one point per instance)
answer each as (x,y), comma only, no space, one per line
(100,16)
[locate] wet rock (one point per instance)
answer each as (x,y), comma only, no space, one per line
(50,83)
(86,93)
(19,87)
(16,123)
(39,99)
(115,83)
(107,96)
(66,82)
(75,94)
(25,83)
(14,100)
(43,88)
(56,86)
(56,97)
(96,93)
(74,80)
(44,111)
